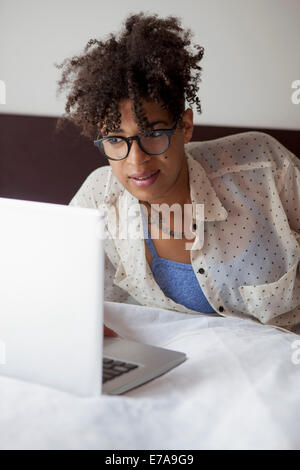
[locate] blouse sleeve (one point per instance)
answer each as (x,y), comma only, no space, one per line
(91,195)
(288,181)
(289,191)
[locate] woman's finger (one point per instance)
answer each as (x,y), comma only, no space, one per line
(108,332)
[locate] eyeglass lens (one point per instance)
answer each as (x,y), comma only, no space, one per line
(116,147)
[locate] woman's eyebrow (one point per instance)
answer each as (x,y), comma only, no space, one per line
(151,124)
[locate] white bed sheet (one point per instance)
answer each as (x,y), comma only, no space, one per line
(239,389)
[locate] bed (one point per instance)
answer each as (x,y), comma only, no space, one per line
(238,389)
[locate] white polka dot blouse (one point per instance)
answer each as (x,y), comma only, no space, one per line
(248,263)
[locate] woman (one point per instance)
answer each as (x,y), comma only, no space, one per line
(129,95)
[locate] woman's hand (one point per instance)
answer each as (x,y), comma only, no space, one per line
(108,332)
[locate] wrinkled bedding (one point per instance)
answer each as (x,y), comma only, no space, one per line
(238,389)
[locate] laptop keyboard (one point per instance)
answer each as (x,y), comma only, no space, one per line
(113,368)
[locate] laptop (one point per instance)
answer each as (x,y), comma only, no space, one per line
(52,304)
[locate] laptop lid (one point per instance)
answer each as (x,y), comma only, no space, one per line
(51,294)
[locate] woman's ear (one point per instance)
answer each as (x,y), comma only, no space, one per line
(187,124)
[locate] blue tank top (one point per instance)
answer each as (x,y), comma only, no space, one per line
(177,280)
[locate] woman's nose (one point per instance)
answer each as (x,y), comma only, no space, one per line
(136,154)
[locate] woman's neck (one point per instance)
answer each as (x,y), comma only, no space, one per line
(179,194)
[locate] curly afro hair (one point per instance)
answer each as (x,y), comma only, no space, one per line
(150,60)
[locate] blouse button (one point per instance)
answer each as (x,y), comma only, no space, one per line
(201,271)
(221,309)
(194,226)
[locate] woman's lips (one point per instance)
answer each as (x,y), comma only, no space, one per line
(146,182)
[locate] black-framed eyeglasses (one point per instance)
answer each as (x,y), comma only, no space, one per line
(154,142)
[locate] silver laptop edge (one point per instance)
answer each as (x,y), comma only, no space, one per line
(52,301)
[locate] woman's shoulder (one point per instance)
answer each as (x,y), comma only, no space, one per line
(97,188)
(232,141)
(234,151)
(100,174)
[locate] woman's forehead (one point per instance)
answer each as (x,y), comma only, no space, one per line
(153,110)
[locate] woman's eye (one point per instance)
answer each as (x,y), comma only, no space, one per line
(154,134)
(114,140)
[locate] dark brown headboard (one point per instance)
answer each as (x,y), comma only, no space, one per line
(38,164)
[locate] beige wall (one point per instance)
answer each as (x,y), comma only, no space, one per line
(252,53)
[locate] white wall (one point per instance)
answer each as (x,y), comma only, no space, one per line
(252,53)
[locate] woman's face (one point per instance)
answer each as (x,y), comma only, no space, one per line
(171,165)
